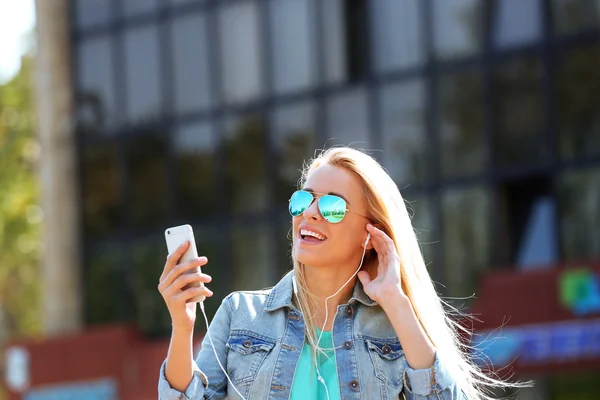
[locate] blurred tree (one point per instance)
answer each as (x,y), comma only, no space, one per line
(20,213)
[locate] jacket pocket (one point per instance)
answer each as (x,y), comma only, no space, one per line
(248,352)
(388,360)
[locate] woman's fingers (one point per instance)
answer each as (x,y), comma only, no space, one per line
(189,293)
(180,269)
(183,280)
(173,259)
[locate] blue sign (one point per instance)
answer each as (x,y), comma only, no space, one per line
(104,389)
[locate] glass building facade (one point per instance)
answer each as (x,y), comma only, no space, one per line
(202,112)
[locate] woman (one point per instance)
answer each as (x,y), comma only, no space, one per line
(324,331)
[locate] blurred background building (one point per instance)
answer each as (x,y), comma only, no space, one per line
(155,113)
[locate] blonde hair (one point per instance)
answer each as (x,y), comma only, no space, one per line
(387,211)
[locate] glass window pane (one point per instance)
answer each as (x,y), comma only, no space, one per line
(104,285)
(402,108)
(245,146)
(334,41)
(96,100)
(519,112)
(146,157)
(396,40)
(458,27)
(461,127)
(100,177)
(252,257)
(293,44)
(292,128)
(517,22)
(92,12)
(191,64)
(240,51)
(142,74)
(134,7)
(571,16)
(579,197)
(348,118)
(467,247)
(194,148)
(578,84)
(178,2)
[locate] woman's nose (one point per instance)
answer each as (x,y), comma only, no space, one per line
(312,212)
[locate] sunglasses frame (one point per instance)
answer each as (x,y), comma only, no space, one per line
(346,210)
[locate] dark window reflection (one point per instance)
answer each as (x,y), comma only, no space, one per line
(396,40)
(519,118)
(146,158)
(348,118)
(252,256)
(292,131)
(92,12)
(579,197)
(245,147)
(190,64)
(194,148)
(516,22)
(574,15)
(404,137)
(458,27)
(135,7)
(240,51)
(579,102)
(96,99)
(293,38)
(421,210)
(104,285)
(178,2)
(334,41)
(466,221)
(100,190)
(142,74)
(461,127)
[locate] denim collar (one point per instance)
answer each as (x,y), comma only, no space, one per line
(281,294)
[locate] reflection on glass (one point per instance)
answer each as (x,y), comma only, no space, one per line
(194,148)
(517,22)
(467,247)
(579,197)
(134,7)
(252,255)
(104,285)
(148,258)
(396,40)
(190,64)
(100,190)
(240,51)
(578,87)
(348,118)
(404,138)
(146,158)
(293,44)
(571,16)
(96,100)
(421,210)
(292,128)
(92,12)
(245,146)
(458,27)
(142,74)
(460,117)
(334,41)
(519,113)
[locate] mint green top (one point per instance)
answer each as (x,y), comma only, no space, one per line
(306,384)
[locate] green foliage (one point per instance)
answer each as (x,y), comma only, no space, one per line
(20,212)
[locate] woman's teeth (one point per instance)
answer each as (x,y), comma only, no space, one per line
(306,232)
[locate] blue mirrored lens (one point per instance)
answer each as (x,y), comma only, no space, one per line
(299,202)
(332,208)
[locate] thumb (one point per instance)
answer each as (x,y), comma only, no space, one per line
(364,278)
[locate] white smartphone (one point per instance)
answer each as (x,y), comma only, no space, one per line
(174,237)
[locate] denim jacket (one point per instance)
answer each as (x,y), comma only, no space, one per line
(258,336)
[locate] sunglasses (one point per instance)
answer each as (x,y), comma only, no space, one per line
(333,208)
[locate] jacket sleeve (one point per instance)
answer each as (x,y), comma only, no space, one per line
(209,381)
(432,383)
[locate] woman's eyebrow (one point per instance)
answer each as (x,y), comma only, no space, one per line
(333,193)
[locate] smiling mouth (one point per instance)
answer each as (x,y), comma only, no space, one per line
(311,236)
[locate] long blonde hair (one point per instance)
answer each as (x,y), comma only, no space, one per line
(387,210)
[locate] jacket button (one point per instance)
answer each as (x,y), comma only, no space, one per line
(354,384)
(247,343)
(386,349)
(349,311)
(348,344)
